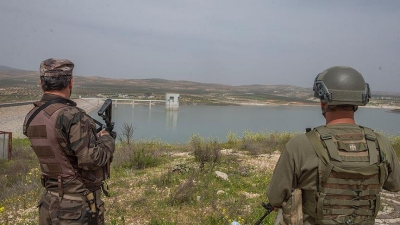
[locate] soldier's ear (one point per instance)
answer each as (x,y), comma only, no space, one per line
(41,84)
(70,83)
(323,106)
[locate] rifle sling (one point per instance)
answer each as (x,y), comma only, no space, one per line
(98,123)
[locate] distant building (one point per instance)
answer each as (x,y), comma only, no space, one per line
(171,101)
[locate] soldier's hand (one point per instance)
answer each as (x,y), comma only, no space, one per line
(103,132)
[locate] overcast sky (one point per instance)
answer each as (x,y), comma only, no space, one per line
(233,42)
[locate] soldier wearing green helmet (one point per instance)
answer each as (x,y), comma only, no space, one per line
(340,167)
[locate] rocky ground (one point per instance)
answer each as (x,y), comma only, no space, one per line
(12,118)
(390,214)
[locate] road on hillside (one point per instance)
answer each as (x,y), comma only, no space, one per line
(15,104)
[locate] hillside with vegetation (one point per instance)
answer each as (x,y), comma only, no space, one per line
(20,85)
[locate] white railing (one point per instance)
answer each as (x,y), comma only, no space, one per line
(129,101)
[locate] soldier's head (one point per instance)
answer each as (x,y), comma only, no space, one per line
(56,74)
(341,88)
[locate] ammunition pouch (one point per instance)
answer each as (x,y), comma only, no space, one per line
(292,209)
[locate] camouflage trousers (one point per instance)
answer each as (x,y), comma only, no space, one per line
(70,209)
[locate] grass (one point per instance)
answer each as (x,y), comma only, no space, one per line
(158,183)
(20,185)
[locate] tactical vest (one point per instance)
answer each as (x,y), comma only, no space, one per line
(54,162)
(351,173)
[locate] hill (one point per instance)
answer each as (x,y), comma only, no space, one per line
(21,85)
(6,68)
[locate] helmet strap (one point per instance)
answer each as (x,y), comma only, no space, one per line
(327,109)
(332,107)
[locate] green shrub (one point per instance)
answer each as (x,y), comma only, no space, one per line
(141,159)
(205,150)
(232,140)
(263,142)
(122,155)
(141,154)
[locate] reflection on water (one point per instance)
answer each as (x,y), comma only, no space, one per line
(217,121)
(171,119)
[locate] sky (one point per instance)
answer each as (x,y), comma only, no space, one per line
(234,42)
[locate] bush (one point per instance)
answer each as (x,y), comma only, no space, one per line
(122,155)
(126,135)
(205,150)
(143,159)
(263,142)
(141,154)
(137,158)
(232,140)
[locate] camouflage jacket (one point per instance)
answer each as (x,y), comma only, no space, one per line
(75,132)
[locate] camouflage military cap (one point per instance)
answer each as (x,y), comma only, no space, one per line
(56,67)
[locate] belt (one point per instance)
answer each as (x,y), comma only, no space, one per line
(75,197)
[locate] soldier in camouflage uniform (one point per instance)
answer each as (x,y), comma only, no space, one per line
(340,167)
(74,158)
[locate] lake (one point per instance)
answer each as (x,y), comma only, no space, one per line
(217,121)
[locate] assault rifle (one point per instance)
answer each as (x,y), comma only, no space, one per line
(269,209)
(106,113)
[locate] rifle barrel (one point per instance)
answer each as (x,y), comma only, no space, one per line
(269,209)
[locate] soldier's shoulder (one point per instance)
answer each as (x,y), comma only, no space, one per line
(298,139)
(72,112)
(381,136)
(383,140)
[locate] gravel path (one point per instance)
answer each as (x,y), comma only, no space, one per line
(12,118)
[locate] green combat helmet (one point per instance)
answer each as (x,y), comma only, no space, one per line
(341,85)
